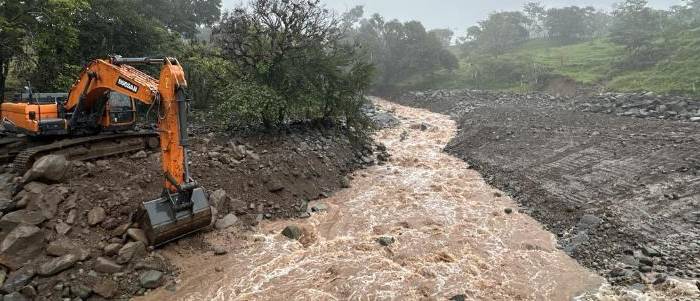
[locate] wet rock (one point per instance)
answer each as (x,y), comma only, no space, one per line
(137,235)
(18,279)
(105,288)
(345,182)
(49,200)
(130,251)
(218,198)
(275,185)
(3,275)
(72,216)
(651,251)
(22,244)
(508,210)
(292,232)
(588,221)
(95,216)
(56,265)
(458,298)
(386,241)
(80,291)
(226,222)
(112,249)
(660,279)
(219,250)
(107,266)
(7,205)
(50,168)
(319,207)
(151,279)
(62,228)
(25,217)
(28,291)
(16,296)
(140,155)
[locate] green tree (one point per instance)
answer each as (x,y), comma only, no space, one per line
(635,25)
(501,32)
(28,37)
(568,24)
(296,51)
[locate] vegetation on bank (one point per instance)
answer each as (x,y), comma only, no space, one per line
(634,48)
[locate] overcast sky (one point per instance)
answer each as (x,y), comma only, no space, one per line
(457,15)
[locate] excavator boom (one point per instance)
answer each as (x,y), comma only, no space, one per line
(183,207)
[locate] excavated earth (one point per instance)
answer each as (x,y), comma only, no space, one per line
(621,193)
(82,248)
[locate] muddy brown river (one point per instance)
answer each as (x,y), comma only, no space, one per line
(452,237)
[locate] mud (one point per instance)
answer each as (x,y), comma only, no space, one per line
(452,235)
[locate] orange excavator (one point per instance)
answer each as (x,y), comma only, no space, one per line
(102,100)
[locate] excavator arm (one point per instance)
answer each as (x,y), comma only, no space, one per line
(183,207)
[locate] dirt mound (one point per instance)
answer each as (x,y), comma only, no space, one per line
(621,193)
(77,238)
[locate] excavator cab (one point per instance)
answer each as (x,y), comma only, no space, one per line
(120,112)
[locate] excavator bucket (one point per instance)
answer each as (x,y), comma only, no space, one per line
(176,215)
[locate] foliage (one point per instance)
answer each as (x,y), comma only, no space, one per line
(500,32)
(296,51)
(400,51)
(570,23)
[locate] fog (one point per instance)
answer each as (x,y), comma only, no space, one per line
(454,14)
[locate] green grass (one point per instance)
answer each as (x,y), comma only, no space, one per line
(588,63)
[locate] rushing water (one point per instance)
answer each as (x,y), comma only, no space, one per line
(452,237)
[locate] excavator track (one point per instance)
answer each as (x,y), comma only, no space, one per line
(87,148)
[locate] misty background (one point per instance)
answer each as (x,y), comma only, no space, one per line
(456,15)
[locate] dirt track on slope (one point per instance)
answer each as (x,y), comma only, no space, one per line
(453,235)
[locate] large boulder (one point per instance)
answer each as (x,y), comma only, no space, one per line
(22,244)
(226,222)
(26,217)
(50,168)
(151,279)
(218,198)
(107,266)
(49,200)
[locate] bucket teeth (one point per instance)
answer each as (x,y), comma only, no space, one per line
(163,222)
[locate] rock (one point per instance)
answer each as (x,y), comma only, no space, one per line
(130,251)
(106,288)
(18,279)
(137,235)
(345,182)
(226,222)
(319,207)
(645,269)
(151,279)
(275,185)
(219,250)
(508,210)
(386,241)
(64,247)
(16,296)
(292,232)
(50,168)
(218,269)
(3,275)
(112,249)
(25,217)
(28,291)
(7,205)
(119,231)
(95,216)
(458,298)
(72,216)
(22,244)
(107,266)
(56,265)
(140,155)
(695,119)
(62,228)
(35,187)
(651,251)
(49,200)
(660,279)
(80,291)
(588,221)
(218,198)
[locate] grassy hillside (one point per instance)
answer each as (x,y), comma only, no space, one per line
(590,63)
